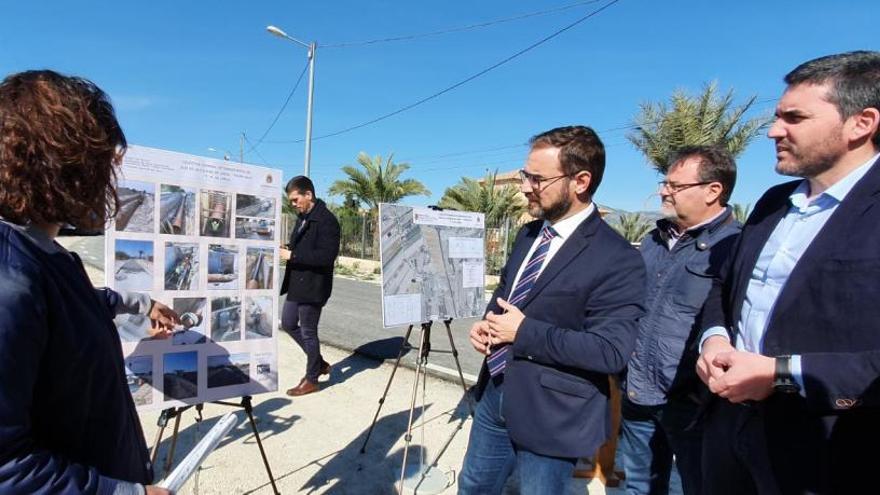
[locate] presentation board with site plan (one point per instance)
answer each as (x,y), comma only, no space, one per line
(433,264)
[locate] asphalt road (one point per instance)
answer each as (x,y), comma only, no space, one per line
(352,320)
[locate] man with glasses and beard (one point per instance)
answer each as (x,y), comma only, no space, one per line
(792,343)
(564,317)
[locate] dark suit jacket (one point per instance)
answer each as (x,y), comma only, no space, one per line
(580,326)
(828,312)
(308,277)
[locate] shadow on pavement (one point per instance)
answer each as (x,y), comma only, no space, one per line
(348,471)
(366,357)
(374,470)
(381,349)
(191,431)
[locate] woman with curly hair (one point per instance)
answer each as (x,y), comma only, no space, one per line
(67,420)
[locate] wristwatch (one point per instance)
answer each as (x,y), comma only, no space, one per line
(783,381)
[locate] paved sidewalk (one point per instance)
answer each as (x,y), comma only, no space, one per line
(314,442)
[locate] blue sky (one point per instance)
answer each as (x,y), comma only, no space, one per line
(134,248)
(186,361)
(186,76)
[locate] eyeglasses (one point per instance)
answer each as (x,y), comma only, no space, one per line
(677,188)
(536,181)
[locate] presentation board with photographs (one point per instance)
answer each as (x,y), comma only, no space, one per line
(433,264)
(201,236)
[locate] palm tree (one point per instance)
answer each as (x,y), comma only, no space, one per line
(502,205)
(377,181)
(740,212)
(702,119)
(632,226)
(497,203)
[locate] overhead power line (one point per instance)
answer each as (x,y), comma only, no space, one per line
(462,82)
(480,156)
(470,152)
(255,150)
(458,29)
(280,111)
(619,128)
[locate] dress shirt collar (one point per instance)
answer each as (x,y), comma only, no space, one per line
(675,231)
(564,228)
(836,193)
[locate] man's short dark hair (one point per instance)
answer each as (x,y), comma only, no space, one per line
(580,149)
(854,78)
(301,184)
(716,165)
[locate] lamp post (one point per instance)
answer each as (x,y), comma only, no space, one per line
(226,154)
(312,47)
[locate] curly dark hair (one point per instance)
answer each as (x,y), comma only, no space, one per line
(60,144)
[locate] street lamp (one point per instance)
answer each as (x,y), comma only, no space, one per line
(226,155)
(312,47)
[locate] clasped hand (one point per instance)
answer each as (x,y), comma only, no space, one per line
(735,375)
(496,328)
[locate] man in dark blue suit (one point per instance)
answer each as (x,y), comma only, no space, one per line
(564,317)
(792,343)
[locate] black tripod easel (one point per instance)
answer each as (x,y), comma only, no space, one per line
(421,374)
(177,412)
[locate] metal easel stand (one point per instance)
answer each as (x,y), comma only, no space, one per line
(421,376)
(176,413)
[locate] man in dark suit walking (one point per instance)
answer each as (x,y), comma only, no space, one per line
(792,344)
(308,278)
(564,317)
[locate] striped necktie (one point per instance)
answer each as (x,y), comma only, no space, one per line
(497,361)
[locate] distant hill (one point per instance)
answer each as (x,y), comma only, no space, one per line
(614,214)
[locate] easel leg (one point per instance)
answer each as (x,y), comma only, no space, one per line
(170,459)
(176,414)
(458,365)
(426,328)
(461,422)
(421,370)
(404,346)
(162,422)
(248,408)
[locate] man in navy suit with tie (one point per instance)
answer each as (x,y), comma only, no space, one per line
(564,317)
(792,340)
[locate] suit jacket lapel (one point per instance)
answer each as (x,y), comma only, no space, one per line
(845,218)
(572,247)
(758,233)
